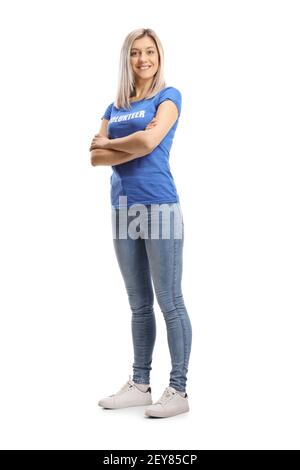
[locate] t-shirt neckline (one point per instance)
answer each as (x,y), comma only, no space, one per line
(137,101)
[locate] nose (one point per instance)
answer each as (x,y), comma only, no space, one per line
(142,57)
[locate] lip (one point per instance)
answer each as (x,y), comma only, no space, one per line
(144,67)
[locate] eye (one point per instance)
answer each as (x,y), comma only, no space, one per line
(149,52)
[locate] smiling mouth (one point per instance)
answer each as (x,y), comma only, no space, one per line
(144,67)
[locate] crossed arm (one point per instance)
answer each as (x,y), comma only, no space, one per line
(106,151)
(104,156)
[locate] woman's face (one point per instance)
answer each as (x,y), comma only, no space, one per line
(144,58)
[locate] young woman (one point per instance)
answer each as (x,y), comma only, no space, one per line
(135,138)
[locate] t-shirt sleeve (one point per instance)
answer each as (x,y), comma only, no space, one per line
(107,112)
(173,94)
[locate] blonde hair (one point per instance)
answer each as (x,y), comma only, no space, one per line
(126,83)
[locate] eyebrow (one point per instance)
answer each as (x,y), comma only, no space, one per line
(149,47)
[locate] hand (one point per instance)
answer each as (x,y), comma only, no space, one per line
(151,124)
(99,142)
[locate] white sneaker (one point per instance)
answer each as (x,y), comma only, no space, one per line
(171,403)
(128,395)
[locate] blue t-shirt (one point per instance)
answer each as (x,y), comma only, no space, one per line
(148,179)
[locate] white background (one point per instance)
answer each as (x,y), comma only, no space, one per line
(65,339)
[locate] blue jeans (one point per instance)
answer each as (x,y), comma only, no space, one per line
(145,259)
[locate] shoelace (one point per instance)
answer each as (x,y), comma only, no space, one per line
(126,386)
(165,396)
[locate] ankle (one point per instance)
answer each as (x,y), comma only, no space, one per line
(142,387)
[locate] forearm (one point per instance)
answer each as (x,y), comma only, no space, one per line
(136,142)
(112,157)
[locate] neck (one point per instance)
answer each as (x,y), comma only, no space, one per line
(142,88)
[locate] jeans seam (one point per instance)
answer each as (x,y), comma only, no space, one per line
(174,298)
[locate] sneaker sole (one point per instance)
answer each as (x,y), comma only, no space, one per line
(157,414)
(123,406)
